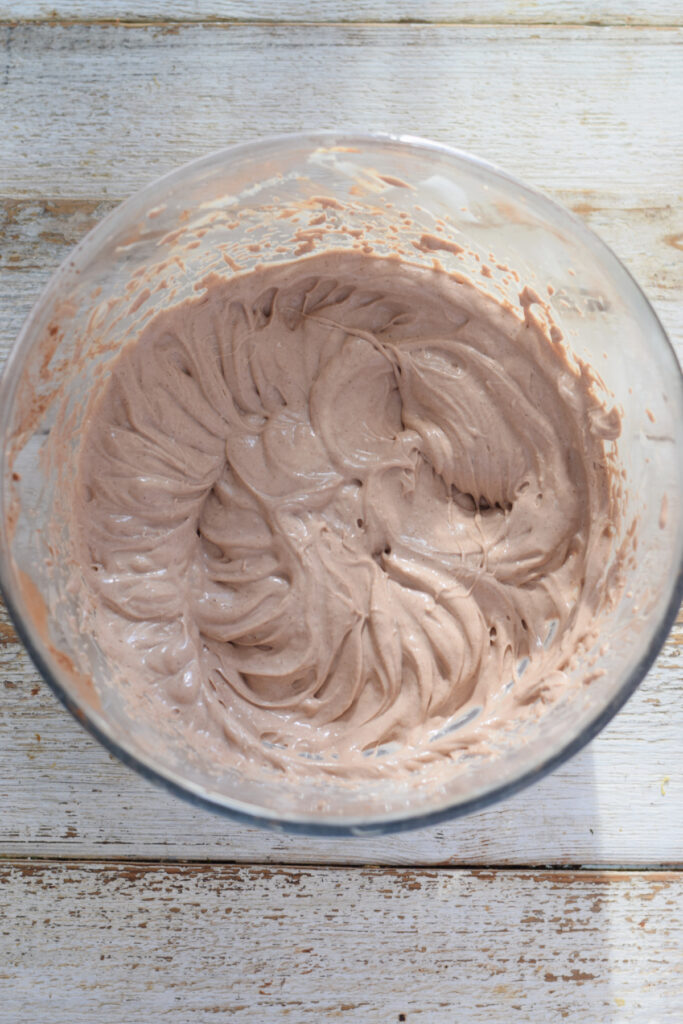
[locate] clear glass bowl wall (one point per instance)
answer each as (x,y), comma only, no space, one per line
(228,203)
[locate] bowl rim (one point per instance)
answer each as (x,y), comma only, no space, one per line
(191,792)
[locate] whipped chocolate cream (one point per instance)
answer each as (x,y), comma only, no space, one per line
(341,505)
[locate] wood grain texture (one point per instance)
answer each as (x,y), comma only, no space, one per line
(93,110)
(206,943)
(618,802)
(591,12)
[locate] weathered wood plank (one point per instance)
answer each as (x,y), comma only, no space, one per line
(620,801)
(89,110)
(198,943)
(591,12)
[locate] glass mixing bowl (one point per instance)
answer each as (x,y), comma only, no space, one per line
(255,202)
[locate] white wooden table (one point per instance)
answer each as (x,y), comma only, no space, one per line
(120,903)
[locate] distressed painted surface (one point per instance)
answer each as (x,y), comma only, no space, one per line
(91,109)
(591,12)
(198,943)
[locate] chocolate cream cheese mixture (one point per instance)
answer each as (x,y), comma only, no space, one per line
(335,507)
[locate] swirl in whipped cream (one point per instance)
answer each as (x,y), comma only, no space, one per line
(334,504)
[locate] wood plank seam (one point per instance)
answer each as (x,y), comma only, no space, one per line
(100,859)
(226,22)
(526,871)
